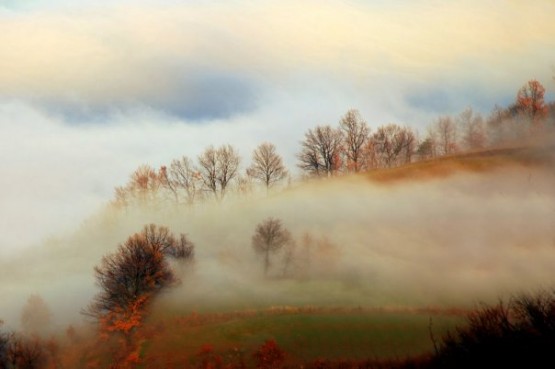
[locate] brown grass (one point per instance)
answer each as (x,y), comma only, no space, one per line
(477,162)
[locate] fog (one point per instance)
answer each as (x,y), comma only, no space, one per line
(446,242)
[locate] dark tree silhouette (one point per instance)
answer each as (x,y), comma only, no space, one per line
(393,145)
(269,237)
(131,276)
(321,151)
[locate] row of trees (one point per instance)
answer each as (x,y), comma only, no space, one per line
(327,151)
(215,172)
(350,147)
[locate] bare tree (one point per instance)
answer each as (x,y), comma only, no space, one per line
(269,237)
(181,177)
(321,151)
(217,168)
(208,168)
(393,145)
(228,165)
(133,274)
(473,129)
(446,131)
(267,166)
(355,135)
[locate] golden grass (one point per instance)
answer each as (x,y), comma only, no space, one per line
(477,162)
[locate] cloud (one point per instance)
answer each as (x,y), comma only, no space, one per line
(212,60)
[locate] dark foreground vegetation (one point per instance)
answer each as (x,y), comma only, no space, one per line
(515,333)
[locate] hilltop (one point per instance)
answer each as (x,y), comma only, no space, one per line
(475,162)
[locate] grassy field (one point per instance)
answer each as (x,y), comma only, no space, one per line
(305,335)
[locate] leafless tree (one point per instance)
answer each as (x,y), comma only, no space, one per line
(217,168)
(446,131)
(355,135)
(267,166)
(228,165)
(136,271)
(473,129)
(321,151)
(181,177)
(393,145)
(269,237)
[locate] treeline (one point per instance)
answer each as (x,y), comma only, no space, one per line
(350,147)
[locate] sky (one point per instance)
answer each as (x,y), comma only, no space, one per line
(90,90)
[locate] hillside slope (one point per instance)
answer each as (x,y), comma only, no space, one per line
(477,162)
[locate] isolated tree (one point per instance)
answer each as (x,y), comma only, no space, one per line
(355,135)
(35,316)
(131,276)
(217,168)
(530,101)
(393,145)
(267,166)
(269,237)
(321,151)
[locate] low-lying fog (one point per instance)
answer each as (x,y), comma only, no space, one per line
(438,242)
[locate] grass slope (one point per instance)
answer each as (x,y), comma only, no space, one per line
(481,161)
(305,335)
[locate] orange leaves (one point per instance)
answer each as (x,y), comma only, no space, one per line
(530,100)
(124,320)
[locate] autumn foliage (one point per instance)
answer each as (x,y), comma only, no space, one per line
(269,356)
(132,275)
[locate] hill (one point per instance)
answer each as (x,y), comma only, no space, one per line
(475,162)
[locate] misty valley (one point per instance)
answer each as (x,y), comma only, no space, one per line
(339,184)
